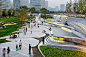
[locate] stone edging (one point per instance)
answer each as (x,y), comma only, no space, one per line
(40,50)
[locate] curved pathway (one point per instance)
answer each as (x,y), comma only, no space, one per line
(26,40)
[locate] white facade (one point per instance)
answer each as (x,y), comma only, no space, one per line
(16,3)
(46,4)
(5,4)
(51,9)
(42,3)
(62,7)
(25,3)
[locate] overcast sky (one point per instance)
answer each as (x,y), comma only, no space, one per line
(53,3)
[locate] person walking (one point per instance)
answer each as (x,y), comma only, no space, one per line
(29,49)
(43,40)
(26,29)
(38,25)
(8,51)
(31,30)
(20,45)
(31,26)
(4,52)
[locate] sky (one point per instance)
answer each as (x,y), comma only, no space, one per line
(53,3)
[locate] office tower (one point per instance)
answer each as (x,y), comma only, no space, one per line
(16,3)
(62,7)
(5,4)
(46,4)
(36,4)
(25,3)
(42,3)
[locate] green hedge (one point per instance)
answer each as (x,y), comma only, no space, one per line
(55,52)
(3,41)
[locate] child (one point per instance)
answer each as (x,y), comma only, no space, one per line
(16,47)
(4,52)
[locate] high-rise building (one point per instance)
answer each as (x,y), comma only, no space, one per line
(62,7)
(25,3)
(42,3)
(16,3)
(5,4)
(46,4)
(36,4)
(56,8)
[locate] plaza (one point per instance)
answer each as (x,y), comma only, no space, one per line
(42,28)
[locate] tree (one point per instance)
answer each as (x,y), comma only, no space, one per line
(4,12)
(22,15)
(32,10)
(24,7)
(43,10)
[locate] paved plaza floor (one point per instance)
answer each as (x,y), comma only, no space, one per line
(26,40)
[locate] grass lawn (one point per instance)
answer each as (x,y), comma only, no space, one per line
(9,28)
(55,52)
(3,41)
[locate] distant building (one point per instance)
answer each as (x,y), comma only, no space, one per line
(56,8)
(36,4)
(62,7)
(5,4)
(46,4)
(25,3)
(42,3)
(51,9)
(16,3)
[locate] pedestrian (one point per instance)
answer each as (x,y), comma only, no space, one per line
(4,52)
(20,45)
(26,29)
(18,32)
(38,25)
(43,40)
(31,55)
(31,30)
(8,51)
(16,47)
(51,32)
(29,49)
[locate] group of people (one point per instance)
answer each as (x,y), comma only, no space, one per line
(20,46)
(13,36)
(4,51)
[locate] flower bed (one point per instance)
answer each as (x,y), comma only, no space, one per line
(55,52)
